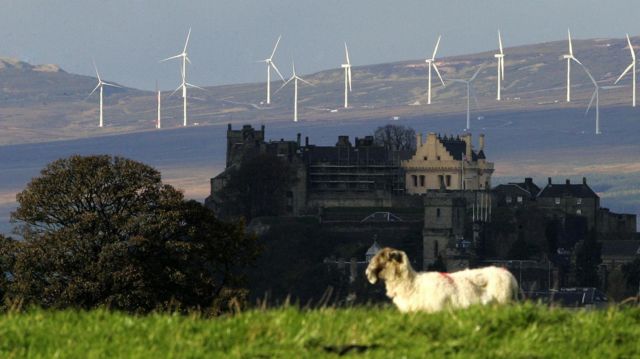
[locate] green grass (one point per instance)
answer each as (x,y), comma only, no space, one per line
(519,331)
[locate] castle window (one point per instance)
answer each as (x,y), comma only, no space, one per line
(448,180)
(421,180)
(438,157)
(519,199)
(438,212)
(435,249)
(557,200)
(578,211)
(579,201)
(508,199)
(440,180)
(415,180)
(425,158)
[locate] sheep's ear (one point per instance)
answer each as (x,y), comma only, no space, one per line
(395,256)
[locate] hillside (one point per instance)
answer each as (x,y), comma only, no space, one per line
(43,103)
(520,331)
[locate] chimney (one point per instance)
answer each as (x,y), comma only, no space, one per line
(481,142)
(549,180)
(568,182)
(306,141)
(262,129)
(467,140)
(528,180)
(229,127)
(299,135)
(418,140)
(584,181)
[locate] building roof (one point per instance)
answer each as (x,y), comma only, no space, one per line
(581,190)
(354,155)
(456,147)
(512,187)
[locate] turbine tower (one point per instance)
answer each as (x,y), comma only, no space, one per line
(569,57)
(295,79)
(631,67)
(101,85)
(159,121)
(271,64)
(185,58)
(432,64)
(347,77)
(595,96)
(470,92)
(500,58)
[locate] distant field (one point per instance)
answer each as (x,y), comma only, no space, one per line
(519,331)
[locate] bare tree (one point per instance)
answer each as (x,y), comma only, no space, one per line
(395,137)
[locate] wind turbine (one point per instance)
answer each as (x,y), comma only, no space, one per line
(569,57)
(159,121)
(101,85)
(347,77)
(295,79)
(500,58)
(185,58)
(470,92)
(432,64)
(271,64)
(633,72)
(595,96)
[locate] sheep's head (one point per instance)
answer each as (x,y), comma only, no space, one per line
(388,264)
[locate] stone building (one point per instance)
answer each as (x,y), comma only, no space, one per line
(448,162)
(567,199)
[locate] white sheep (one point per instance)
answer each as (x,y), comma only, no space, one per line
(433,291)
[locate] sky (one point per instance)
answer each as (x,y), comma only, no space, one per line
(127,38)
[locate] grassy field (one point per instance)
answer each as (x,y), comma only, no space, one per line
(519,331)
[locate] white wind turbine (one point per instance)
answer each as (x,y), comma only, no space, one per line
(184,84)
(295,79)
(432,64)
(271,64)
(470,92)
(101,85)
(632,67)
(569,57)
(595,96)
(500,58)
(347,77)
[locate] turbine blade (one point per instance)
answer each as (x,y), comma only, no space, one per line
(187,58)
(435,49)
(591,102)
(272,64)
(502,67)
(275,47)
(94,90)
(96,68)
(475,74)
(500,42)
(112,85)
(194,86)
(305,81)
(346,51)
(633,54)
(283,85)
(349,74)
(293,66)
(176,90)
(187,42)
(589,74)
(171,58)
(625,72)
(570,47)
(438,73)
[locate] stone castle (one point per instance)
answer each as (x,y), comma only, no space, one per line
(444,184)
